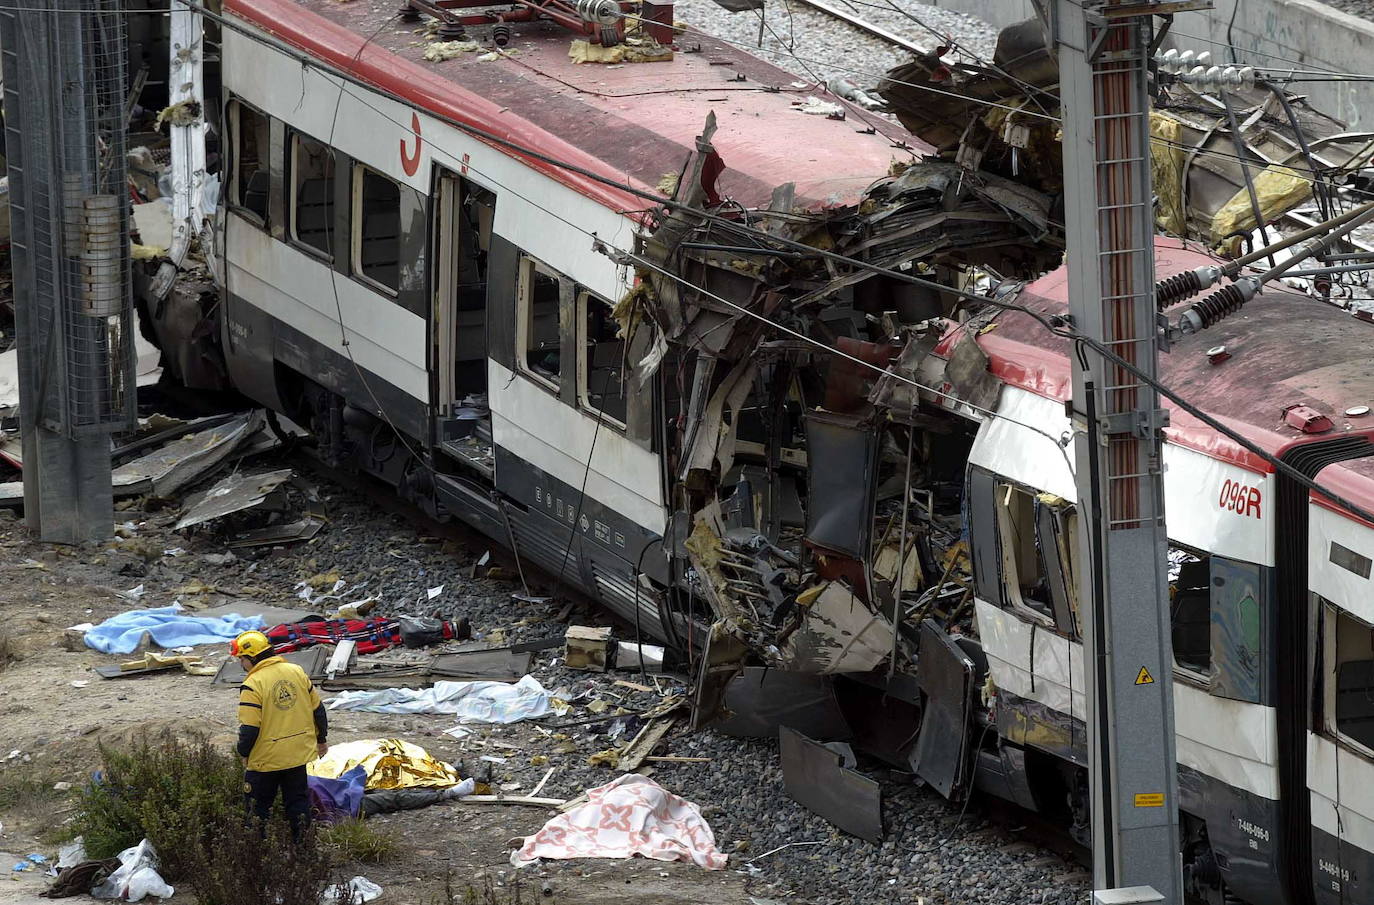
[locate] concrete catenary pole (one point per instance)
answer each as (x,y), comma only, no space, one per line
(64,64)
(1104,51)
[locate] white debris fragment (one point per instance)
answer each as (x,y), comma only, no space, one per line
(817,107)
(133,593)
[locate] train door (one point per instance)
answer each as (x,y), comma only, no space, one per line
(1340,747)
(463,215)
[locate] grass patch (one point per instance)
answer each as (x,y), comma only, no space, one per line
(356,840)
(185,796)
(8,651)
(28,791)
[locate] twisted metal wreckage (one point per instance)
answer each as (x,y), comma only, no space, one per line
(818,459)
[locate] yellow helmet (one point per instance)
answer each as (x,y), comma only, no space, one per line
(249,644)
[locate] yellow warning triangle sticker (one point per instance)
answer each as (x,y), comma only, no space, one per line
(1144,678)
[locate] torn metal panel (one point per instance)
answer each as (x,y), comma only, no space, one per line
(949,679)
(967,372)
(720,662)
(815,777)
(838,634)
(842,455)
(286,532)
(712,445)
(760,700)
(497,665)
(312,660)
(163,472)
(895,389)
(1003,773)
(234,493)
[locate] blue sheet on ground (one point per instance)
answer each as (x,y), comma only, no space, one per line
(336,799)
(169,627)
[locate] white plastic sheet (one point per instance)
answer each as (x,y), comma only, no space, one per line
(354,892)
(472,702)
(135,878)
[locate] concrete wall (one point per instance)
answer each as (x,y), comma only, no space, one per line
(1302,33)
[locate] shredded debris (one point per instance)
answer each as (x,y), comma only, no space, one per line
(439,51)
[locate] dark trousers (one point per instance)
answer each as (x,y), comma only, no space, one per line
(261,790)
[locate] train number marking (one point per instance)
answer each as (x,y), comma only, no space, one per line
(1242,499)
(1256,833)
(1337,873)
(410,162)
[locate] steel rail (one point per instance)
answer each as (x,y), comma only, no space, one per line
(871,28)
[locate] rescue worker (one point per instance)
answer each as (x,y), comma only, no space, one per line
(282,727)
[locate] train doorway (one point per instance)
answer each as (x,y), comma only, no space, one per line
(463,215)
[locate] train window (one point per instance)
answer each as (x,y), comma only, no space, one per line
(1190,609)
(1238,595)
(538,331)
(1023,573)
(601,370)
(312,194)
(981,489)
(376,229)
(251,179)
(1350,677)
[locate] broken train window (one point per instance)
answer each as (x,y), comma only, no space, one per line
(601,384)
(376,228)
(251,179)
(538,332)
(1349,667)
(1190,609)
(1024,545)
(312,194)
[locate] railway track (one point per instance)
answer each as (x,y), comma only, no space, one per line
(868,27)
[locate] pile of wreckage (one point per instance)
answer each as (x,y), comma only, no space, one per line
(818,520)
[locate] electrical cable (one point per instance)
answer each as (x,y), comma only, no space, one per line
(1277,463)
(657,199)
(1183,404)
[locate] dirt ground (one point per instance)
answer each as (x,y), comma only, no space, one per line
(52,727)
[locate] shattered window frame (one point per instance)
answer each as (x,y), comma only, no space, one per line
(1007,555)
(1187,671)
(524,321)
(361,172)
(1334,618)
(585,297)
(294,150)
(262,131)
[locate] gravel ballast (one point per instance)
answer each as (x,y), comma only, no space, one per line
(817,47)
(934,852)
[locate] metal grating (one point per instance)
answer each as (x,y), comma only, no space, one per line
(65,138)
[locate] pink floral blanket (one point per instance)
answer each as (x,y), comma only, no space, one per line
(632,815)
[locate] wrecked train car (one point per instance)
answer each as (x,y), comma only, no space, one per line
(763,400)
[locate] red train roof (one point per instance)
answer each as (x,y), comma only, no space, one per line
(631,122)
(1286,349)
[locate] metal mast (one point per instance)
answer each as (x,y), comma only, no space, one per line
(65,104)
(1104,53)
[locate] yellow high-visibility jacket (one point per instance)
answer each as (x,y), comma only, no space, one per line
(280,700)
